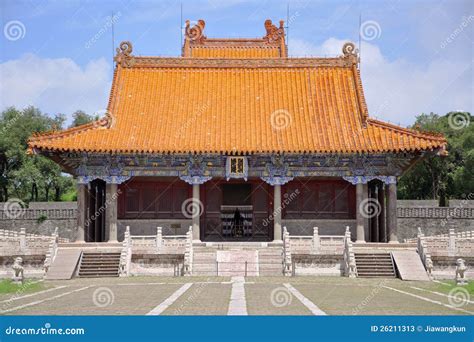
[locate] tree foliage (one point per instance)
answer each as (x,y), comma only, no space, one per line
(26,176)
(447,177)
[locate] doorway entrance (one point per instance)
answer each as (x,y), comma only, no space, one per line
(95,218)
(236,211)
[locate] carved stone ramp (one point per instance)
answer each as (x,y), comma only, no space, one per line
(64,264)
(409,265)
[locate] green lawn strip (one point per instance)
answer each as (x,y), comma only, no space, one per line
(202,299)
(452,284)
(28,286)
(439,292)
(259,300)
(109,300)
(369,300)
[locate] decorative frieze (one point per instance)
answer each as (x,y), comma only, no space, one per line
(365,179)
(196,171)
(274,169)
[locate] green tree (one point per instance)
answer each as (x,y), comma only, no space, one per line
(447,177)
(80,117)
(26,176)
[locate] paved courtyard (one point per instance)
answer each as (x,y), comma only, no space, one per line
(239,296)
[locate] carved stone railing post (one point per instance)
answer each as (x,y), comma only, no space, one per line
(126,253)
(52,250)
(159,238)
(350,268)
(287,263)
(188,253)
(424,253)
(452,243)
(316,239)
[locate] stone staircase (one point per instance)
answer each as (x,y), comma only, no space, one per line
(237,259)
(99,264)
(271,261)
(372,265)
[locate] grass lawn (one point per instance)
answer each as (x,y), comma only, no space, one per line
(29,286)
(445,288)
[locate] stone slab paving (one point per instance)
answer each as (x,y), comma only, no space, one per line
(213,296)
(105,300)
(272,299)
(202,299)
(369,300)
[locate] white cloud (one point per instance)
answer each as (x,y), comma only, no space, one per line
(399,90)
(55,85)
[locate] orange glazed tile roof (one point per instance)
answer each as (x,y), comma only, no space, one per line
(235,52)
(237,106)
(272,45)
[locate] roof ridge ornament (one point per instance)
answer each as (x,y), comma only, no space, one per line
(350,52)
(195,33)
(124,55)
(274,34)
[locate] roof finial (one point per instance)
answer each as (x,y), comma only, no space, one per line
(274,34)
(124,55)
(196,32)
(349,51)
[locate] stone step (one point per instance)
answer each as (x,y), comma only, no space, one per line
(98,275)
(99,264)
(374,265)
(373,256)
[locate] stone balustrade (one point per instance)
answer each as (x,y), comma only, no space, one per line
(317,244)
(21,243)
(158,243)
(350,268)
(460,244)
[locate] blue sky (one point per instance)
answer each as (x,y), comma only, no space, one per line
(416,55)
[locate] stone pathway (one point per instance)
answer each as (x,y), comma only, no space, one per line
(170,300)
(238,303)
(430,300)
(43,300)
(305,301)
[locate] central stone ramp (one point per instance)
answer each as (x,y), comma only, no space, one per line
(409,265)
(233,263)
(64,264)
(237,259)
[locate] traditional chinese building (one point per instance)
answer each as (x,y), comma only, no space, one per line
(237,139)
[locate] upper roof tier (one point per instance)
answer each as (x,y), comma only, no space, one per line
(233,105)
(196,44)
